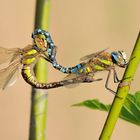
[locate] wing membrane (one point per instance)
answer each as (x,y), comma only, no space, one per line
(8,55)
(90,56)
(7,74)
(73,77)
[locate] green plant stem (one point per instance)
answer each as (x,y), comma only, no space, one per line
(121,93)
(39,100)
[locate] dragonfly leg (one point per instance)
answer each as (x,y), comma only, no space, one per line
(121,84)
(47,59)
(125,83)
(116,79)
(107,81)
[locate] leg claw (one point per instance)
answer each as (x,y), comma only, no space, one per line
(124,84)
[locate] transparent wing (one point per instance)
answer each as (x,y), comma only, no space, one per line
(9,54)
(7,75)
(79,79)
(72,77)
(87,57)
(9,64)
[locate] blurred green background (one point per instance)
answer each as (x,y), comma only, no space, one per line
(78,28)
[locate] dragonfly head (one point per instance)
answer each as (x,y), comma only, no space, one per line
(119,58)
(41,39)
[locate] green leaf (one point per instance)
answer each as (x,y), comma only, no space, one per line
(130,111)
(94,104)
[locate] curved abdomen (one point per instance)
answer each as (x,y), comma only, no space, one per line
(31,79)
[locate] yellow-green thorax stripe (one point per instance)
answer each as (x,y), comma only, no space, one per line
(106,62)
(29,57)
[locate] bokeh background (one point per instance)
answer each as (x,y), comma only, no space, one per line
(78,27)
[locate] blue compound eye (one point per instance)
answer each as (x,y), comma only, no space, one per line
(119,58)
(114,57)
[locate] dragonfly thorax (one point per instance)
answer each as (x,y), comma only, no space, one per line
(119,58)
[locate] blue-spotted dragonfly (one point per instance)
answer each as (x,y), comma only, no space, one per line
(43,47)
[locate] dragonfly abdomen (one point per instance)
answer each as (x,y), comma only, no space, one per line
(67,69)
(31,79)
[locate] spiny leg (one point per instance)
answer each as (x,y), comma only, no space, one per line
(106,85)
(125,83)
(116,79)
(107,81)
(47,59)
(121,84)
(130,60)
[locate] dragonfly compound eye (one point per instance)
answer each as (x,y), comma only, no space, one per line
(123,57)
(119,58)
(123,54)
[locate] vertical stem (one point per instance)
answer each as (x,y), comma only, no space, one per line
(121,93)
(39,100)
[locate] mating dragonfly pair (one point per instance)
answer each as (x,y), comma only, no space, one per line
(43,47)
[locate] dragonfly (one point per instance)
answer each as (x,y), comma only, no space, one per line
(43,47)
(97,62)
(24,59)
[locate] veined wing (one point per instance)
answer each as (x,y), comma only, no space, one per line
(8,55)
(90,56)
(7,74)
(74,78)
